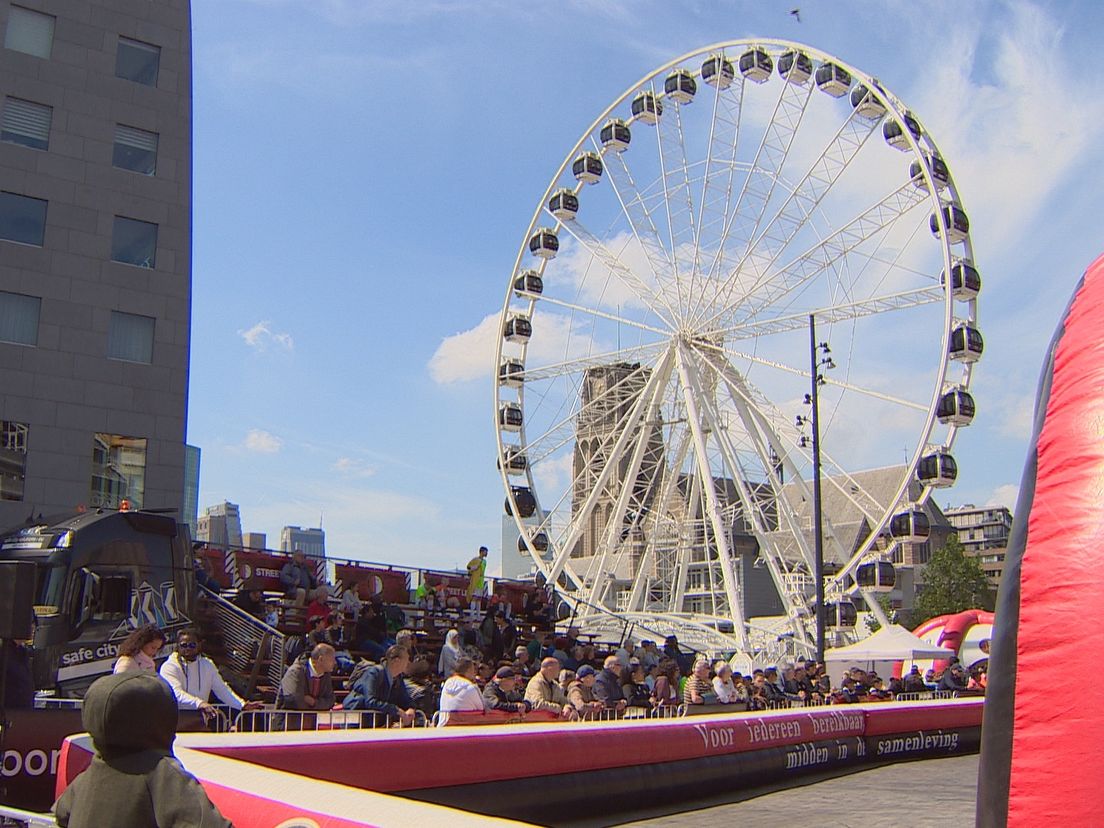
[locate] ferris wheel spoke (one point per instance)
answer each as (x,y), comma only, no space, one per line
(562,431)
(624,433)
(720,169)
(668,476)
(781,443)
(797,209)
(572,366)
(655,301)
(757,189)
(789,369)
(612,317)
(837,313)
(804,268)
(678,196)
(613,534)
(639,215)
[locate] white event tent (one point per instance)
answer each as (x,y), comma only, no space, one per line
(879,652)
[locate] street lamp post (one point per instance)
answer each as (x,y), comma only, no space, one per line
(818,358)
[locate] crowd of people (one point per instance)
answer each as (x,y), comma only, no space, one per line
(357,653)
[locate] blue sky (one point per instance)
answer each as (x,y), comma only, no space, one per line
(365,170)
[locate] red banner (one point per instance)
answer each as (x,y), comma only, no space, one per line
(387,584)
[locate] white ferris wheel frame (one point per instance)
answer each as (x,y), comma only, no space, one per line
(710,632)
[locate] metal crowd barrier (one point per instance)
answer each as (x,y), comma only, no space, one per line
(16,818)
(271,720)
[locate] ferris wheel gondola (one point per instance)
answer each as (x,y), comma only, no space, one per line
(731,199)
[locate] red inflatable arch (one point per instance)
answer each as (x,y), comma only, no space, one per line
(1042,730)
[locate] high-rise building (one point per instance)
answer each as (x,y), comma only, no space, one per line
(190,511)
(254,540)
(984,535)
(311,542)
(95,242)
(220,526)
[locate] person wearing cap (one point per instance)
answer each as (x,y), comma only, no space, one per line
(501,693)
(581,693)
(953,678)
(522,663)
(543,692)
(250,599)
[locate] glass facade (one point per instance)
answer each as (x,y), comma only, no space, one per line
(118,470)
(190,511)
(13,459)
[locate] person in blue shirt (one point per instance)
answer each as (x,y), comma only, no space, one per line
(382,690)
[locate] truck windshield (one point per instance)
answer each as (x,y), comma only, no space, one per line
(49,586)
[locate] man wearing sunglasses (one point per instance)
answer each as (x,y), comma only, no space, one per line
(192,677)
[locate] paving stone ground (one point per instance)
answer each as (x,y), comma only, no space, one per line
(933,792)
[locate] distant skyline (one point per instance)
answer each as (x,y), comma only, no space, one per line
(364,173)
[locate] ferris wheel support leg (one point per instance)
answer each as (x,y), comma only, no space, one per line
(720,532)
(612,533)
(876,608)
(631,421)
(796,601)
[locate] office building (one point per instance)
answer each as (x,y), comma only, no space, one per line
(255,540)
(311,542)
(220,526)
(95,241)
(984,535)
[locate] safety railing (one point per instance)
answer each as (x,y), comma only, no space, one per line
(272,720)
(252,647)
(16,818)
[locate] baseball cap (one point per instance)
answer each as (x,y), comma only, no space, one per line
(584,671)
(505,673)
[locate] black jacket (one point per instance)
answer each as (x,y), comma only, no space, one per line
(133,780)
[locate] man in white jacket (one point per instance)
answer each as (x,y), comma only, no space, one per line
(192,677)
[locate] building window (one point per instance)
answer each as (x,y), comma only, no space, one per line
(135,150)
(118,470)
(137,61)
(134,242)
(26,123)
(130,337)
(13,459)
(30,32)
(19,318)
(22,219)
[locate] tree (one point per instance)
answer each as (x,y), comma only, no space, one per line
(872,622)
(953,582)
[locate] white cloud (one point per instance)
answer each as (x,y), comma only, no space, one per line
(261,336)
(1011,138)
(468,355)
(1005,495)
(351,467)
(263,442)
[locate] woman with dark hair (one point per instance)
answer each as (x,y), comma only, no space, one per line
(666,692)
(139,648)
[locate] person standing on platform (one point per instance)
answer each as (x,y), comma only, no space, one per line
(477,573)
(297,579)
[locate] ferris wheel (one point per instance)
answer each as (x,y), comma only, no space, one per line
(743,218)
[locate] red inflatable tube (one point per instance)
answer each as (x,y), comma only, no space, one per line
(412,760)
